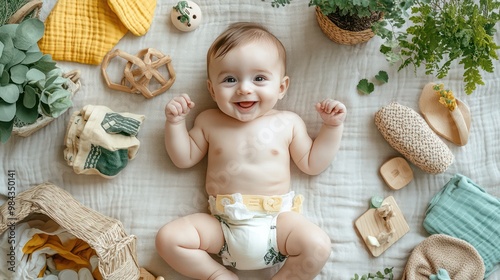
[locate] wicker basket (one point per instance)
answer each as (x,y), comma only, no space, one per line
(31,6)
(341,36)
(116,250)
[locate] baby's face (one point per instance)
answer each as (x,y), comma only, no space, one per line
(247,82)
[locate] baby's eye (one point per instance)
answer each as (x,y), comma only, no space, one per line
(229,80)
(260,78)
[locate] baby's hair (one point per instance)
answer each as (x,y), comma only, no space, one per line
(242,33)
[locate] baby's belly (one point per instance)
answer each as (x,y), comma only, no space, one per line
(262,181)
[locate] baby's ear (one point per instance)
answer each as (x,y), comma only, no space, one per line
(285,82)
(210,89)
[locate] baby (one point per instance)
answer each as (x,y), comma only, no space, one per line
(254,221)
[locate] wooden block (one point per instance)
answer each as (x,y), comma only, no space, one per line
(370,224)
(396,172)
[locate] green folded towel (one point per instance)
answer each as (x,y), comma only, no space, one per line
(464,210)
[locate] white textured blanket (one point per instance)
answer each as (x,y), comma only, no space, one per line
(151,191)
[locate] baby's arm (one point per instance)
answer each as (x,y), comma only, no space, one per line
(313,157)
(184,148)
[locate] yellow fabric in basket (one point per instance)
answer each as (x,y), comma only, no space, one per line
(85,30)
(73,254)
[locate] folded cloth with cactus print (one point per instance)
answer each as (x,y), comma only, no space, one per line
(100,141)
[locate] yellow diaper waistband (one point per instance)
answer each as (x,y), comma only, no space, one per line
(273,203)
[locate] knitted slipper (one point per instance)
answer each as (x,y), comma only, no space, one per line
(407,132)
(452,125)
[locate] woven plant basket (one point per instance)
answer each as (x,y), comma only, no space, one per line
(341,36)
(31,6)
(116,250)
(73,85)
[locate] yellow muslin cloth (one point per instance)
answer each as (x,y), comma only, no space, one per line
(85,30)
(73,254)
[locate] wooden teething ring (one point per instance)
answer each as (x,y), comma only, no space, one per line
(139,71)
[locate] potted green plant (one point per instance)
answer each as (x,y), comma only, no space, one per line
(443,32)
(351,22)
(32,87)
(436,34)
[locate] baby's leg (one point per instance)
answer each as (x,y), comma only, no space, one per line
(185,245)
(306,245)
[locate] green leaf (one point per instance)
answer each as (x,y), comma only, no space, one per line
(57,95)
(5,78)
(50,81)
(29,97)
(8,48)
(28,33)
(17,57)
(382,77)
(26,115)
(392,57)
(35,75)
(6,130)
(7,111)
(55,72)
(56,103)
(32,57)
(365,87)
(33,49)
(45,64)
(9,93)
(18,73)
(9,29)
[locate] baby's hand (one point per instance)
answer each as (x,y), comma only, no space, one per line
(331,111)
(177,109)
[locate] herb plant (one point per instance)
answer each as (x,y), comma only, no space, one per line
(445,31)
(379,275)
(31,85)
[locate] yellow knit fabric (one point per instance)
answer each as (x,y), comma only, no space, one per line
(135,15)
(85,30)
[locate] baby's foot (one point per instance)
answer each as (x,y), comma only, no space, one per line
(223,274)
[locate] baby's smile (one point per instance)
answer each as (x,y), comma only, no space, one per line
(245,104)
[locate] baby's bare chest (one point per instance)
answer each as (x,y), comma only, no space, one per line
(255,144)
